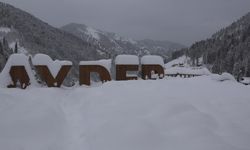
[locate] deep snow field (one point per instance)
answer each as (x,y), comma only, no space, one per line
(198,113)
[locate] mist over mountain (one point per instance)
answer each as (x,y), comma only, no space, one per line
(108,43)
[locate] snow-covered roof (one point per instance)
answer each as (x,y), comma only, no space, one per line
(187,70)
(103,62)
(16,60)
(152,59)
(127,60)
(54,66)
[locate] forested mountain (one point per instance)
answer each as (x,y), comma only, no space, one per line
(227,50)
(36,36)
(108,43)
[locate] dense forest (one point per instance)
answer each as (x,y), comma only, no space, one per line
(228,50)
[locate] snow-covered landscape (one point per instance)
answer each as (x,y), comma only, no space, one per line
(124,75)
(207,112)
(173,113)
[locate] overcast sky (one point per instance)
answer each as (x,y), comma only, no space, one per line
(183,21)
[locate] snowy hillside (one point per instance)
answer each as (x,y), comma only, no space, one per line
(182,65)
(109,43)
(199,113)
(228,50)
(36,36)
(183,60)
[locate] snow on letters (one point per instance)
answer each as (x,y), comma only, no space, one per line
(16,60)
(45,60)
(152,59)
(54,72)
(127,60)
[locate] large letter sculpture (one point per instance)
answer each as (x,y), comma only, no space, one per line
(125,64)
(85,70)
(49,79)
(152,64)
(18,69)
(19,73)
(41,63)
(53,73)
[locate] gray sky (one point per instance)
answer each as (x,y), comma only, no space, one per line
(183,21)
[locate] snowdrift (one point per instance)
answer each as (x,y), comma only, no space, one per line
(178,114)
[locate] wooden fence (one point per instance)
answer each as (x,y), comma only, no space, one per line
(182,75)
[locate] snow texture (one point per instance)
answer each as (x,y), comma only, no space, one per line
(152,59)
(174,113)
(91,32)
(223,77)
(54,66)
(16,60)
(246,80)
(103,62)
(181,60)
(187,70)
(127,60)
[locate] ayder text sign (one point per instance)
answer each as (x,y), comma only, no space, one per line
(18,69)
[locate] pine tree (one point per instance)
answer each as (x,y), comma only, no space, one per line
(16,48)
(5,43)
(1,48)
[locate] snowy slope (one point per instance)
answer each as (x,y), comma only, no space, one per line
(177,114)
(109,43)
(182,65)
(181,60)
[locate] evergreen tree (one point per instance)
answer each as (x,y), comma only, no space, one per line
(16,48)
(1,48)
(5,43)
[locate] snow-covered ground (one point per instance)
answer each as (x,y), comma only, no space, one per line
(200,113)
(184,60)
(182,65)
(187,70)
(246,80)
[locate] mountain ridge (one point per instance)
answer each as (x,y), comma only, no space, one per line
(109,42)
